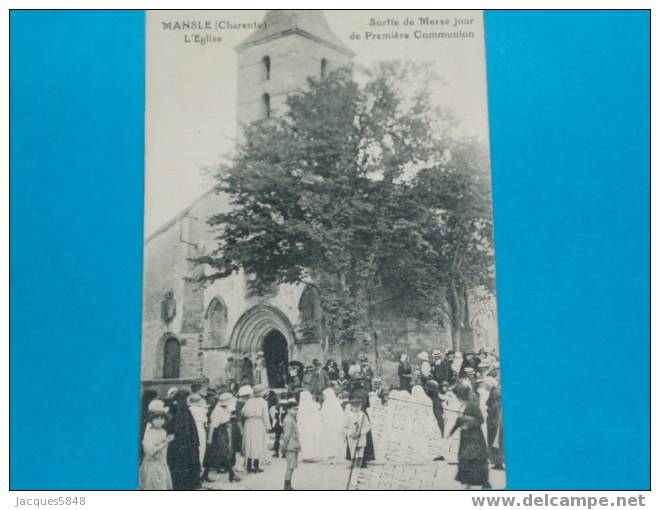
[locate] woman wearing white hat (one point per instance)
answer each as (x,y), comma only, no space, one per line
(255,429)
(222,439)
(154,472)
(424,367)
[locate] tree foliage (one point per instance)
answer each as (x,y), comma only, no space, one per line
(353,185)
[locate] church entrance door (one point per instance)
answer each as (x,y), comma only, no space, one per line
(276,355)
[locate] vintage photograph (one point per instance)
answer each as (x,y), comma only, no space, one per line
(319,307)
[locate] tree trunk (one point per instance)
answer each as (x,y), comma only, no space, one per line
(376,366)
(456,311)
(455,339)
(467,335)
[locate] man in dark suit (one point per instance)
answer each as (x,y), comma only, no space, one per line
(319,380)
(444,370)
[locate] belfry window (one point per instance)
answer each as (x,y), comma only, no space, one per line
(265,106)
(265,62)
(324,67)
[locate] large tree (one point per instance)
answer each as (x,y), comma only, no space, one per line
(336,191)
(459,266)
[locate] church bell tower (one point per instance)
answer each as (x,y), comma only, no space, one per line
(278,59)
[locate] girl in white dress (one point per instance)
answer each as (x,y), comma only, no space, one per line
(309,427)
(332,421)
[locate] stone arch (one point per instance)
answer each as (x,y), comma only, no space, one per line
(216,321)
(255,324)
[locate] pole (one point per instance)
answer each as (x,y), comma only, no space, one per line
(357,440)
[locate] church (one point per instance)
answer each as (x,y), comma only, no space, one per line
(192,333)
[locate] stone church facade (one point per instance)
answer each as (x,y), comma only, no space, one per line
(191,333)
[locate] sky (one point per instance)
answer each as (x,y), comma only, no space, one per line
(191,89)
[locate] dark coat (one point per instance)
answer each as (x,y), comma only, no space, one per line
(405,375)
(247,373)
(473,364)
(318,382)
(472,450)
(444,372)
(360,388)
(438,409)
(494,425)
(183,451)
(221,453)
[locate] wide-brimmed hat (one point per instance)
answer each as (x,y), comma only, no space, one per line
(157,408)
(289,403)
(423,356)
(225,398)
(196,399)
(469,370)
(259,389)
(260,354)
(245,391)
(436,354)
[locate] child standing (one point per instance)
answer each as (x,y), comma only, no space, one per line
(277,415)
(356,428)
(290,441)
(223,432)
(154,473)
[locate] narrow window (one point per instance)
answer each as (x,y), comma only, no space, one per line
(265,106)
(216,315)
(266,67)
(324,67)
(172,358)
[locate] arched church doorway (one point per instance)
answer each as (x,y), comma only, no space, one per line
(276,356)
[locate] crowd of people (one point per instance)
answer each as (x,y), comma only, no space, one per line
(323,414)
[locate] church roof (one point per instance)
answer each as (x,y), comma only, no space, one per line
(308,23)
